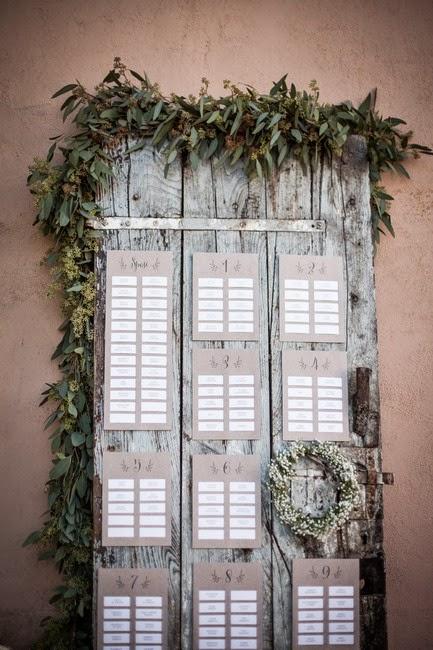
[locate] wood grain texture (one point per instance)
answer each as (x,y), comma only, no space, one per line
(168,441)
(288,194)
(233,194)
(338,193)
(139,188)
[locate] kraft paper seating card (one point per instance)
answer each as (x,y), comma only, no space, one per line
(138,340)
(136,499)
(226,394)
(132,609)
(226,501)
(315,395)
(228,606)
(312,298)
(225,297)
(326,604)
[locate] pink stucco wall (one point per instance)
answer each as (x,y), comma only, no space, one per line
(349,47)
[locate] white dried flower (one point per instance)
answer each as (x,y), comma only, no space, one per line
(282,471)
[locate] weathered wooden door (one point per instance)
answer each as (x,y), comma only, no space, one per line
(320,211)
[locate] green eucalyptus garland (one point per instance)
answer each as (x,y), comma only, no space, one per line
(282,471)
(262,130)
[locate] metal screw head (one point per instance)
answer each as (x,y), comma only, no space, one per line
(135,196)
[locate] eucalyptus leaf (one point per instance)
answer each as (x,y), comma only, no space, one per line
(213,146)
(137,76)
(259,128)
(64,214)
(172,157)
(275,137)
(109,114)
(282,154)
(72,410)
(237,154)
(64,89)
(194,160)
(276,118)
(213,117)
(33,538)
(82,484)
(236,123)
(157,109)
(296,134)
(60,468)
(136,146)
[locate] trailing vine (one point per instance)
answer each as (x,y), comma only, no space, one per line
(262,130)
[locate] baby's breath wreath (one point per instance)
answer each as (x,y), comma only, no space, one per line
(283,469)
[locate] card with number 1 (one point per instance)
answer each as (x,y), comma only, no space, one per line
(225,297)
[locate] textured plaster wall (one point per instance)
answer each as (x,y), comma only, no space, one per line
(349,47)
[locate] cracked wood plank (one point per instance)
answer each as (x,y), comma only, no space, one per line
(215,192)
(140,441)
(139,188)
(288,194)
(338,193)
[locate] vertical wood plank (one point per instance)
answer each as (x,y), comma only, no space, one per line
(233,196)
(141,441)
(339,195)
(354,192)
(114,201)
(151,194)
(288,196)
(366,539)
